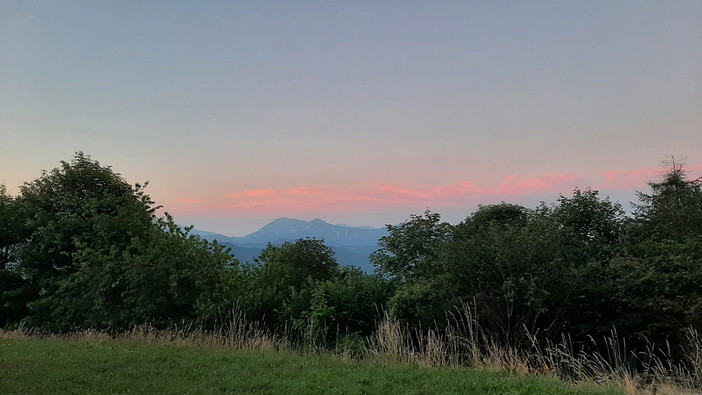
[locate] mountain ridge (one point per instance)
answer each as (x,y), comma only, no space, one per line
(352,245)
(288,229)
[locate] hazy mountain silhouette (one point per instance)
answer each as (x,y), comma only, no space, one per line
(351,245)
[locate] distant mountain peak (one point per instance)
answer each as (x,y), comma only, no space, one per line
(352,244)
(289,229)
(285,220)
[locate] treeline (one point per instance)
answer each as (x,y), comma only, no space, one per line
(82,248)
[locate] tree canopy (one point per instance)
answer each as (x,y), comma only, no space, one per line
(88,251)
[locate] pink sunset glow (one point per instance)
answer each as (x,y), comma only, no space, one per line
(379,197)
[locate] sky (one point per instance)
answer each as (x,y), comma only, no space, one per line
(355,112)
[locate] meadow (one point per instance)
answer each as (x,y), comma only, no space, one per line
(93,363)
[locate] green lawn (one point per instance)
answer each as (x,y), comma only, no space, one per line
(41,366)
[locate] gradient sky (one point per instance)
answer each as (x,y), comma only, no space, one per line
(356,112)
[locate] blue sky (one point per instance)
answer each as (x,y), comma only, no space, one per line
(362,112)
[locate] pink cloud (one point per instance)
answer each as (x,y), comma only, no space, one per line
(293,200)
(387,189)
(189,200)
(637,178)
(510,185)
(307,191)
(254,193)
(377,196)
(383,196)
(627,179)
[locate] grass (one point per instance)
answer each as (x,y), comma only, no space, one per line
(463,343)
(243,356)
(96,364)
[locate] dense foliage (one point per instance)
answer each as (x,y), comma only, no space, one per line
(83,248)
(80,247)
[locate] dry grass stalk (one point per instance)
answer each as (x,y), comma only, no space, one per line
(462,342)
(20,333)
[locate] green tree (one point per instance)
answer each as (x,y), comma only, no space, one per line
(491,216)
(591,226)
(349,302)
(590,234)
(77,205)
(511,263)
(168,276)
(658,288)
(673,208)
(13,287)
(281,272)
(424,302)
(293,262)
(411,247)
(660,274)
(11,227)
(178,276)
(504,259)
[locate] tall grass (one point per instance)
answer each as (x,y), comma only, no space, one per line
(393,342)
(237,332)
(461,342)
(464,343)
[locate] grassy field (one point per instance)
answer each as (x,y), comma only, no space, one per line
(51,366)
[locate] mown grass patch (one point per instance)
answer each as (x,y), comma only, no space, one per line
(65,366)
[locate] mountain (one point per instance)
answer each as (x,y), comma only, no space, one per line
(352,245)
(210,235)
(287,229)
(243,254)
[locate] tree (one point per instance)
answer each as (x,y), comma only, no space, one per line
(95,255)
(78,205)
(511,263)
(504,259)
(658,288)
(13,293)
(349,302)
(293,262)
(167,277)
(411,247)
(589,231)
(489,216)
(11,229)
(174,276)
(282,271)
(673,208)
(660,273)
(424,302)
(591,226)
